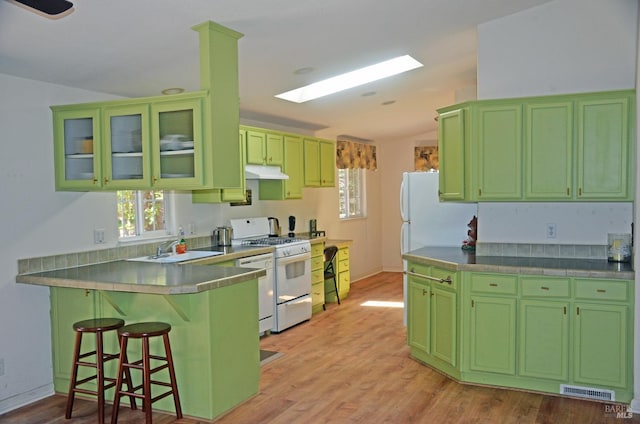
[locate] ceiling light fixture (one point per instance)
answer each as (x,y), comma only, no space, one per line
(351,79)
(174,90)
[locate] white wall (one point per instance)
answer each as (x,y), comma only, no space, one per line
(40,221)
(565,46)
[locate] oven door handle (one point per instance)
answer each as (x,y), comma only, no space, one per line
(295,258)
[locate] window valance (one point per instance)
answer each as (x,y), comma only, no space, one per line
(350,155)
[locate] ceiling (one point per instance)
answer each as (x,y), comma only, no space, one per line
(137,48)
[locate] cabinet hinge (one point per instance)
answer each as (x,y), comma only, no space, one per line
(565,310)
(472,303)
(479,192)
(577,310)
(568,191)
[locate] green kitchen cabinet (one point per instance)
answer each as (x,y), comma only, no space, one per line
(264,148)
(604,148)
(453,150)
(293,166)
(570,147)
(77,148)
(419,318)
(549,150)
(543,327)
(492,323)
(499,140)
(603,333)
(150,143)
(317,277)
(319,163)
(432,319)
(177,144)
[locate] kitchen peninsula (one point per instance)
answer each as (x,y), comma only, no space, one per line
(555,325)
(213,312)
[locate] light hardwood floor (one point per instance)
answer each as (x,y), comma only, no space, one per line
(351,364)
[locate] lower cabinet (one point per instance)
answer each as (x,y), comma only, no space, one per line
(432,324)
(317,277)
(530,332)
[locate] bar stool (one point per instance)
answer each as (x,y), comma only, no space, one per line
(144,331)
(330,253)
(97,326)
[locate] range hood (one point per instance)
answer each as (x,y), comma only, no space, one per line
(261,172)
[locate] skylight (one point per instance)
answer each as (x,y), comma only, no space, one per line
(351,79)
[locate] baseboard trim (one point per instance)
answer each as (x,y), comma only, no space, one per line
(22,399)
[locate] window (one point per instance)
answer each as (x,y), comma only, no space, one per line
(142,213)
(351,189)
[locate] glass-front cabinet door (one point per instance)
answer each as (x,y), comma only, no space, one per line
(176,141)
(126,145)
(76,153)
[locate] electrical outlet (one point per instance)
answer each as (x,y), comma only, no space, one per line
(552,231)
(1,367)
(98,236)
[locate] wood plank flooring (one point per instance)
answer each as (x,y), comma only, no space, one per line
(351,364)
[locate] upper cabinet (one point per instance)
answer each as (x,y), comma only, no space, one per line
(499,138)
(452,145)
(264,148)
(293,166)
(184,141)
(319,162)
(555,148)
(131,144)
(604,159)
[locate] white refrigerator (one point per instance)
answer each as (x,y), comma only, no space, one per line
(426,221)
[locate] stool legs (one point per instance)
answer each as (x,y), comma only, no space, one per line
(96,326)
(144,331)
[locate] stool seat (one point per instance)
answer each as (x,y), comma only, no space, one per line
(144,331)
(96,326)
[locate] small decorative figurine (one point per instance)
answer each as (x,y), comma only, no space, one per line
(470,242)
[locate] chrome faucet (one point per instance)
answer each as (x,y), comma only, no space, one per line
(166,247)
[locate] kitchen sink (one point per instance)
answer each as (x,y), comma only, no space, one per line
(169,258)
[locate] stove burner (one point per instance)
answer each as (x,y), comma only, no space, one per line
(270,241)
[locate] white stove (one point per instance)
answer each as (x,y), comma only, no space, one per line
(292,283)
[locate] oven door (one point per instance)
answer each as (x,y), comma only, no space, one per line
(293,277)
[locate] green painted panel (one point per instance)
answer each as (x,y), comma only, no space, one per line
(451,146)
(543,339)
(549,150)
(327,163)
(500,152)
(293,167)
(274,149)
(419,318)
(601,345)
(493,332)
(255,145)
(603,140)
(444,324)
(311,162)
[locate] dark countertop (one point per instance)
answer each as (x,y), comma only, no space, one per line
(456,259)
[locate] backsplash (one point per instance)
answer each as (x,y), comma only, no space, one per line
(49,263)
(578,251)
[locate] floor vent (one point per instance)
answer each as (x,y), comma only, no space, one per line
(588,392)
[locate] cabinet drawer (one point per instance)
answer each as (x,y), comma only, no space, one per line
(344,280)
(317,262)
(416,268)
(317,294)
(343,265)
(317,249)
(601,289)
(317,276)
(446,275)
(494,283)
(343,254)
(544,287)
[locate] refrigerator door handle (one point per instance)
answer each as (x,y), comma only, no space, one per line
(403,213)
